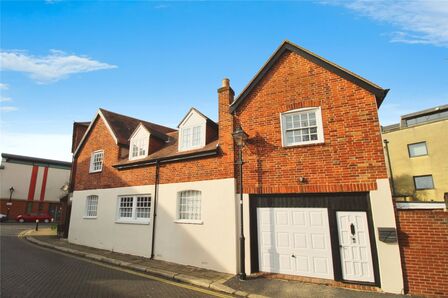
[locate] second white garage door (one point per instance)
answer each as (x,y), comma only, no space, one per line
(295,241)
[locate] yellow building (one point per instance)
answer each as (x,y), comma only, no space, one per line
(417,148)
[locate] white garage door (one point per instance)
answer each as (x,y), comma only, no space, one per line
(295,241)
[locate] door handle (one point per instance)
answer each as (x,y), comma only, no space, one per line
(293,256)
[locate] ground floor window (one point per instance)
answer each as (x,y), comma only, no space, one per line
(189,206)
(91,206)
(134,208)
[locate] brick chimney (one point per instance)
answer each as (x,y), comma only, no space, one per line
(225,120)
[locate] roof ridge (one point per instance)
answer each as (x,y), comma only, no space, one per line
(137,119)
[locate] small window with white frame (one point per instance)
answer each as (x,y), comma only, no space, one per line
(91,206)
(134,209)
(191,138)
(96,161)
(302,126)
(139,148)
(189,206)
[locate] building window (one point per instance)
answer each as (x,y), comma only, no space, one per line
(96,161)
(189,206)
(139,148)
(301,127)
(417,149)
(423,182)
(191,137)
(136,208)
(91,206)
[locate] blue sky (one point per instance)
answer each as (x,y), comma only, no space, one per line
(62,60)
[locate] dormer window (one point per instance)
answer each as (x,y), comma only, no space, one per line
(139,148)
(139,143)
(192,131)
(191,137)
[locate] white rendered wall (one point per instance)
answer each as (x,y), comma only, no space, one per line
(388,253)
(210,245)
(103,231)
(19,176)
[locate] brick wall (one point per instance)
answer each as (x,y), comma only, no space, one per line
(423,237)
(351,159)
(192,170)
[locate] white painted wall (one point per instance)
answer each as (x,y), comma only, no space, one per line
(56,179)
(388,253)
(19,176)
(103,232)
(210,245)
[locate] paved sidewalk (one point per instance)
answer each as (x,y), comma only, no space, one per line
(253,287)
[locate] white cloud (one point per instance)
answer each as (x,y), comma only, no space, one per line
(53,67)
(419,21)
(5,99)
(52,146)
(4,86)
(8,108)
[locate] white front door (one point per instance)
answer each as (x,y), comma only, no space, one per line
(295,241)
(354,243)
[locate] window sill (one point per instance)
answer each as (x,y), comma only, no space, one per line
(304,144)
(133,222)
(89,217)
(191,222)
(93,172)
(138,157)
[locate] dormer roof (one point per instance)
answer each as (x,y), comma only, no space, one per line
(192,109)
(122,127)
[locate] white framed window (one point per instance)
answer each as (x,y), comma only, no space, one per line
(96,161)
(189,206)
(192,137)
(423,182)
(139,148)
(302,126)
(134,209)
(417,149)
(91,206)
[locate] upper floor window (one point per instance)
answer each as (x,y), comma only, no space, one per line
(139,148)
(191,137)
(189,206)
(423,182)
(91,206)
(301,127)
(139,142)
(96,161)
(417,149)
(135,208)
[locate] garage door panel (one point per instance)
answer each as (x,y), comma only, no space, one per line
(282,240)
(302,241)
(318,241)
(298,218)
(316,219)
(321,266)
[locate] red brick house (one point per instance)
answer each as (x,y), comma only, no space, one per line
(316,198)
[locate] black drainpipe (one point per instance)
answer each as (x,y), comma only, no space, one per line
(156,192)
